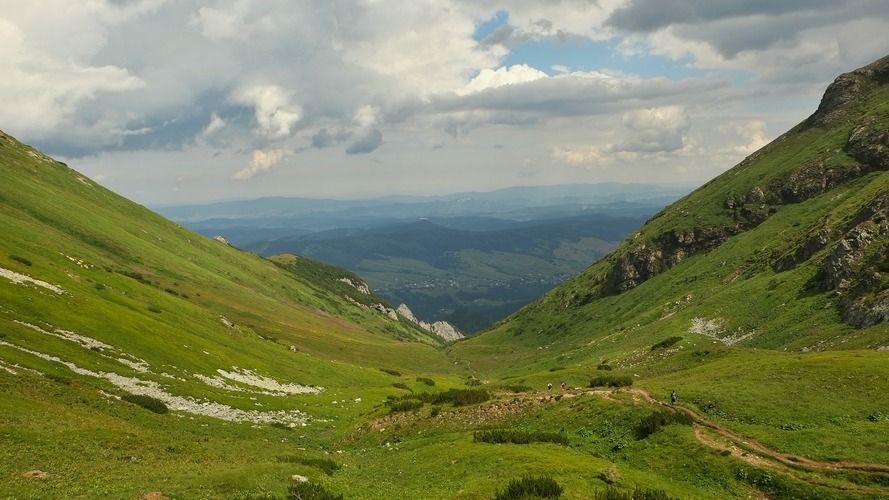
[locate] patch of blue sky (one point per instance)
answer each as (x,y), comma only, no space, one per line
(578,54)
(486,28)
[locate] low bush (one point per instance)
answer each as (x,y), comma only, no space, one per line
(58,379)
(667,342)
(311,491)
(500,436)
(611,381)
(456,397)
(556,368)
(612,493)
(516,388)
(426,380)
(473,382)
(147,402)
(661,418)
(20,259)
(610,475)
(530,487)
(605,367)
(402,385)
(394,373)
(404,405)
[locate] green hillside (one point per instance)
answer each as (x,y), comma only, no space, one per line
(141,360)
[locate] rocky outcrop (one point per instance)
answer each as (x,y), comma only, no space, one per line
(857,267)
(866,151)
(643,261)
(442,329)
(869,144)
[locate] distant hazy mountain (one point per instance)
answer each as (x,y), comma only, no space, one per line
(248,221)
(466,258)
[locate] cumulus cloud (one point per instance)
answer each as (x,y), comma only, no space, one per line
(274,113)
(367,143)
(587,156)
(488,78)
(261,162)
(654,130)
(752,135)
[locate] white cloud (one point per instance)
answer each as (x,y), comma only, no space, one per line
(274,113)
(216,123)
(590,156)
(199,83)
(489,79)
(752,136)
(655,129)
(261,162)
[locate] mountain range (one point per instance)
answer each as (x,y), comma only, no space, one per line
(736,345)
(469,259)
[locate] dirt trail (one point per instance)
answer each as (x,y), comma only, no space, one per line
(755,453)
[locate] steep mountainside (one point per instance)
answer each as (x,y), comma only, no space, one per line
(828,175)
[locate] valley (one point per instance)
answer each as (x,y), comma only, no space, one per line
(142,360)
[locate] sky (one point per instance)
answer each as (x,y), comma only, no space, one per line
(183,101)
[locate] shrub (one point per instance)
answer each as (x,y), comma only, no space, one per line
(426,380)
(311,491)
(394,373)
(134,275)
(435,411)
(610,475)
(457,397)
(402,385)
(604,366)
(516,388)
(155,309)
(326,465)
(611,381)
(612,493)
(147,402)
(473,382)
(556,368)
(531,487)
(499,436)
(58,379)
(660,418)
(667,342)
(404,405)
(21,259)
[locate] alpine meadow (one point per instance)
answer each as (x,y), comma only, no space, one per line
(139,359)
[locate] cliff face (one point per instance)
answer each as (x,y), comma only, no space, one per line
(854,250)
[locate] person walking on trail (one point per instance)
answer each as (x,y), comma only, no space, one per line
(564,386)
(549,386)
(673,398)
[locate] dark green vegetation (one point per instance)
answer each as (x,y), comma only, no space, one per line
(469,278)
(531,487)
(773,275)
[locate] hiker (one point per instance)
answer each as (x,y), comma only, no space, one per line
(549,386)
(673,398)
(564,386)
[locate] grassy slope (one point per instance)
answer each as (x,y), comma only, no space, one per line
(157,293)
(800,369)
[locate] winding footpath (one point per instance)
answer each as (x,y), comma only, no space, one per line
(717,436)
